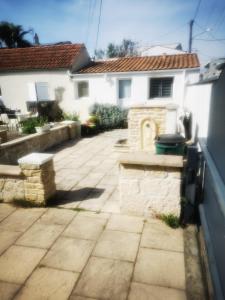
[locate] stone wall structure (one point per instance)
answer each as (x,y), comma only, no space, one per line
(145,122)
(11,151)
(150,184)
(33,180)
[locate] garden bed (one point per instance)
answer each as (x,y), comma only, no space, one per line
(11,151)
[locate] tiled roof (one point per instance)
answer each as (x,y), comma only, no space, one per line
(39,57)
(143,63)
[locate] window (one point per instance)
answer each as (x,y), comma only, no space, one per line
(161,87)
(124,88)
(83,89)
(42,91)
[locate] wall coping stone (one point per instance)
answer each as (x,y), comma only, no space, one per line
(35,159)
(9,170)
(149,159)
(69,122)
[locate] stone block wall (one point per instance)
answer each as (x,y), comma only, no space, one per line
(33,180)
(39,183)
(156,115)
(11,188)
(149,187)
(11,151)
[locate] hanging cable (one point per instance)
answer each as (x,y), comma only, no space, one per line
(197,9)
(99,20)
(91,20)
(88,22)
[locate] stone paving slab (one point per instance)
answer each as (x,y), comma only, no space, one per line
(40,235)
(17,263)
(159,267)
(110,284)
(118,245)
(6,210)
(150,292)
(75,297)
(8,290)
(69,254)
(46,283)
(7,238)
(111,207)
(21,219)
(125,223)
(55,216)
(85,228)
(158,235)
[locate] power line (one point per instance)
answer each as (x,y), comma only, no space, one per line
(211,13)
(99,20)
(220,20)
(91,19)
(212,36)
(197,9)
(89,16)
(213,40)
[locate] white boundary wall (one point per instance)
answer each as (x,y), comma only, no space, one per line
(197,100)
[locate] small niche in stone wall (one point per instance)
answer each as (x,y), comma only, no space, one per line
(148,134)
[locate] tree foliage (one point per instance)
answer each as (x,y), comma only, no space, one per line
(12,36)
(126,48)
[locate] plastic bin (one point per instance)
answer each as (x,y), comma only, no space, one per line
(171,144)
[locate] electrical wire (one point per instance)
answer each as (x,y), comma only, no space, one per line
(220,20)
(88,23)
(99,20)
(91,20)
(197,9)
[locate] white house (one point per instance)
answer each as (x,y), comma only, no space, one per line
(28,75)
(66,73)
(169,49)
(132,80)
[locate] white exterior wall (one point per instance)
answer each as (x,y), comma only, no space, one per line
(197,100)
(15,86)
(103,88)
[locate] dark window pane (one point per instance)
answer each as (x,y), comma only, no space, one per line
(124,88)
(83,89)
(161,87)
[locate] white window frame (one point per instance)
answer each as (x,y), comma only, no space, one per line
(118,88)
(77,89)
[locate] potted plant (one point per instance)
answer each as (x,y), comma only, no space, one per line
(42,125)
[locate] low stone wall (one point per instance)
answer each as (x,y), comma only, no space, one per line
(11,187)
(33,180)
(11,151)
(150,184)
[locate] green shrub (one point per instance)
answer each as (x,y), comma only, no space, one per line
(71,117)
(28,126)
(170,219)
(109,116)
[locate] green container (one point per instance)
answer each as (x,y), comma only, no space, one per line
(174,149)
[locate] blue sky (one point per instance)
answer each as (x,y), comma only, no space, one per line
(145,21)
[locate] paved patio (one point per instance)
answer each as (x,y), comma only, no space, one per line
(84,248)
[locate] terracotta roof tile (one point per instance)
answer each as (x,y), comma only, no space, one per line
(39,57)
(143,63)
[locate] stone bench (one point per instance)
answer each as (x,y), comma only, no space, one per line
(150,184)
